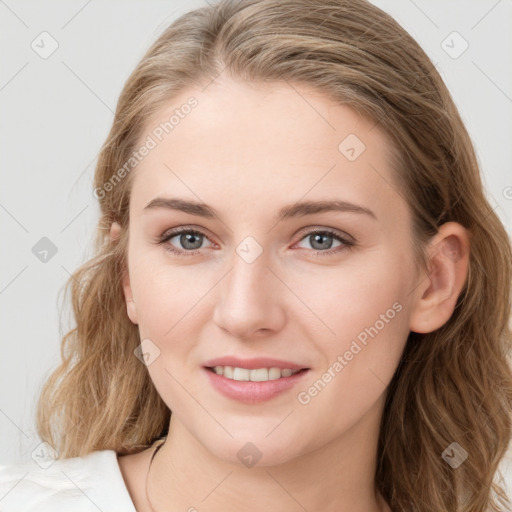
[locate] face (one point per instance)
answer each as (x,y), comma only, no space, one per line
(327,290)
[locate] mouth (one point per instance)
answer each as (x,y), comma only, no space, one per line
(253,380)
(254,374)
(255,385)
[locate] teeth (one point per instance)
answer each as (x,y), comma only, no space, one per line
(274,373)
(256,375)
(241,374)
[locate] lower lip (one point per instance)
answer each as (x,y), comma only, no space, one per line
(253,392)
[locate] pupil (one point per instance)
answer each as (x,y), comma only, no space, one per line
(190,238)
(317,239)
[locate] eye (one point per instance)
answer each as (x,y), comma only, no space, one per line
(322,241)
(188,241)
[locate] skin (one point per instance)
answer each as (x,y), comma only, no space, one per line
(247,151)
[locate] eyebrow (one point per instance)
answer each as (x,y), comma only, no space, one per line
(298,209)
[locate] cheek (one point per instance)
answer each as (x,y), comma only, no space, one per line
(169,302)
(167,297)
(367,310)
(371,299)
(352,296)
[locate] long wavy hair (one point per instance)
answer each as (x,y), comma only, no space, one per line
(452,385)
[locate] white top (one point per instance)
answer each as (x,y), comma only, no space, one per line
(81,484)
(90,484)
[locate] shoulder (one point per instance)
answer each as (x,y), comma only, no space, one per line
(82,484)
(504,474)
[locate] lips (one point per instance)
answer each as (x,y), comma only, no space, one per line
(252,393)
(253,363)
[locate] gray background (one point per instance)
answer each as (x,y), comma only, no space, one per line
(57,111)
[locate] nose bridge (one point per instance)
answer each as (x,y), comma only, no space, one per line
(249,297)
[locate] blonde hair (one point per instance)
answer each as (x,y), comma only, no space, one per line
(452,385)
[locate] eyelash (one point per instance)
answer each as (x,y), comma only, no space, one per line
(166,236)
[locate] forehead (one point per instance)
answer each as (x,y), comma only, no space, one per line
(239,142)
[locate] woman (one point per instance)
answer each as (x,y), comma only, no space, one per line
(301,294)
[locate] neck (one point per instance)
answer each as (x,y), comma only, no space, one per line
(337,477)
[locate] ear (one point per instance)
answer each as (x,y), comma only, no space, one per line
(438,290)
(115,232)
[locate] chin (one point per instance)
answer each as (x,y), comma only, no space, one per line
(253,451)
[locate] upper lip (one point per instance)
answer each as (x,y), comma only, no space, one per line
(253,363)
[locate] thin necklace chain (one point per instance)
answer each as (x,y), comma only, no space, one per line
(147,476)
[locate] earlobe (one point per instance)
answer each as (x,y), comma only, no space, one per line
(437,292)
(131,308)
(115,231)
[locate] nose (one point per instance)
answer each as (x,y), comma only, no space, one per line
(249,300)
